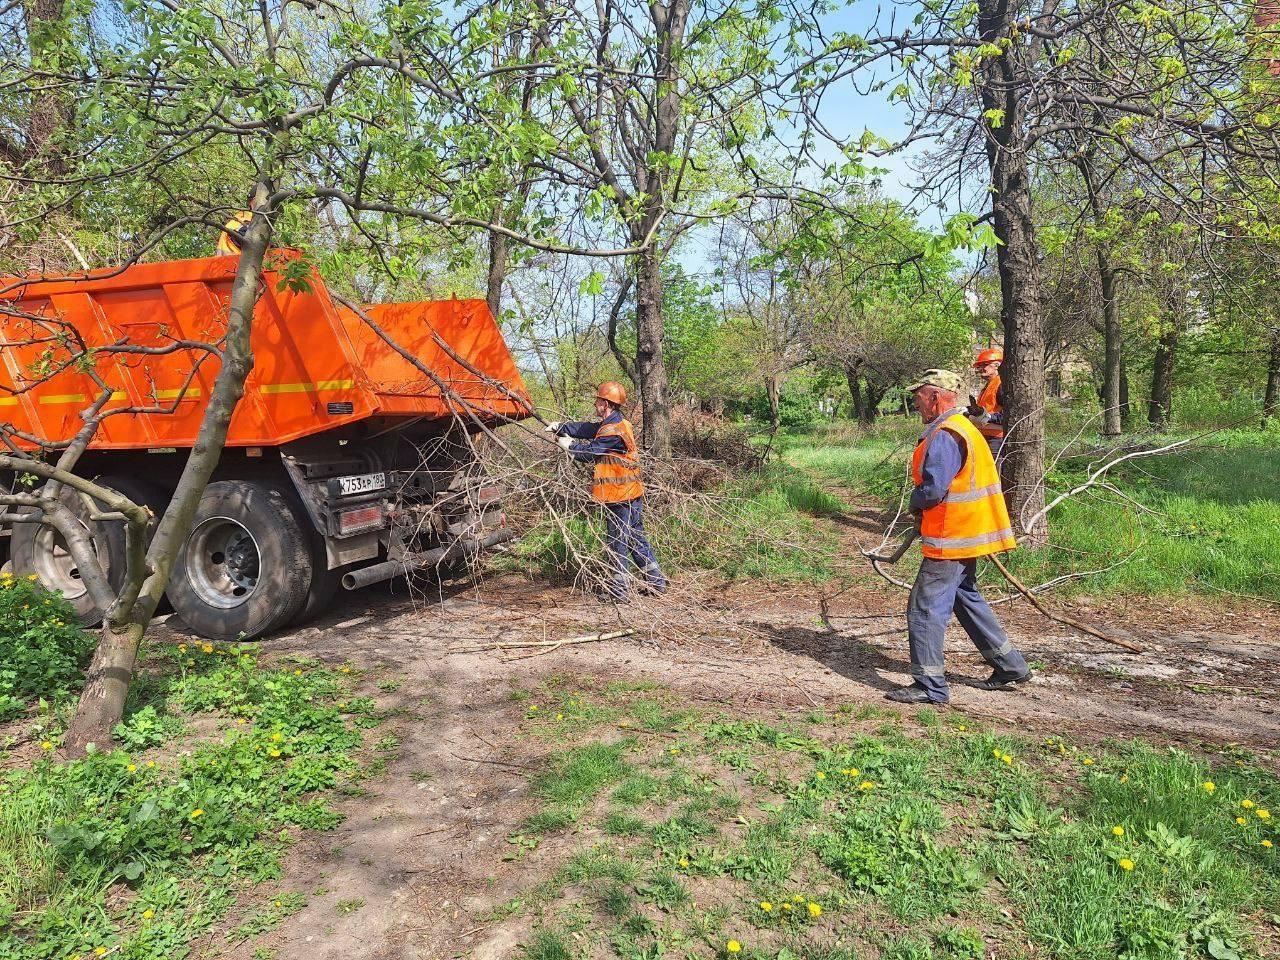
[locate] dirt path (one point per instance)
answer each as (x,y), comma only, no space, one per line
(417,870)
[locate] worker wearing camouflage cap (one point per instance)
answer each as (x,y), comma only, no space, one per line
(962,515)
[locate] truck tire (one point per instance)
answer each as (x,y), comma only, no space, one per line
(325,584)
(37,548)
(144,494)
(246,566)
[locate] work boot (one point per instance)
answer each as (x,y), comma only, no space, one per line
(1003,680)
(912,694)
(608,596)
(652,589)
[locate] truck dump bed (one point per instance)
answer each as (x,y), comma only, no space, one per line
(317,366)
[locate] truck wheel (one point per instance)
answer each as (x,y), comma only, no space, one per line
(246,566)
(38,548)
(142,493)
(325,584)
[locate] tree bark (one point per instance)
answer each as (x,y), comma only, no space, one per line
(1002,90)
(872,396)
(1126,408)
(106,687)
(650,366)
(1161,404)
(1271,399)
(1113,345)
(50,111)
(497,275)
(771,391)
(855,391)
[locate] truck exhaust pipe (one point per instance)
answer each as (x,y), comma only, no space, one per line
(463,548)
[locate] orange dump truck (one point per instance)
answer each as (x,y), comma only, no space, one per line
(345,464)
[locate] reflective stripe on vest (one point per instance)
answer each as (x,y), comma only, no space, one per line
(988,401)
(973,520)
(616,478)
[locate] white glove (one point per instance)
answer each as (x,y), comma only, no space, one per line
(553,427)
(564,443)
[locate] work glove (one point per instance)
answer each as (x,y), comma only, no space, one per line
(553,427)
(564,443)
(974,410)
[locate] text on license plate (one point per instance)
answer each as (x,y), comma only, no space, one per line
(362,483)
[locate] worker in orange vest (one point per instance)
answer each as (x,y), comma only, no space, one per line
(611,444)
(962,515)
(231,236)
(987,409)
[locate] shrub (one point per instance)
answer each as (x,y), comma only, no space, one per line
(43,648)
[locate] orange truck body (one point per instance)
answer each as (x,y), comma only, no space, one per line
(317,365)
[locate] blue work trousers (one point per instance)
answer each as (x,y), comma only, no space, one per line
(944,587)
(626,543)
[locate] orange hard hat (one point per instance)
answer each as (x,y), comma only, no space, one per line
(989,354)
(615,393)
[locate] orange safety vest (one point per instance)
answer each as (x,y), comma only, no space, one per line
(617,475)
(987,401)
(229,235)
(973,520)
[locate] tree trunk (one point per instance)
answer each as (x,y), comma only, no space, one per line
(771,391)
(855,391)
(1016,258)
(1271,399)
(497,275)
(1113,358)
(106,687)
(650,367)
(1161,403)
(50,110)
(871,401)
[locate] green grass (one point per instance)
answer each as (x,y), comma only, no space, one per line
(140,852)
(1201,518)
(851,831)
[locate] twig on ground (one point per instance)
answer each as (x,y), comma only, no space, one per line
(1060,618)
(553,644)
(792,681)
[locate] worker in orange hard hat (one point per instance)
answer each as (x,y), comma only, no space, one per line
(611,444)
(986,410)
(231,236)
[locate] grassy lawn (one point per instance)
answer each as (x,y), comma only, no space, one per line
(137,852)
(862,834)
(1202,518)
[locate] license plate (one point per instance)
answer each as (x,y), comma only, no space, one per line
(363,483)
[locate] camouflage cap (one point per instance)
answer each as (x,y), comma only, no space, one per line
(942,379)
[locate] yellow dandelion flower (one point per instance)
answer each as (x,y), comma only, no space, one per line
(99,951)
(961,727)
(1005,758)
(798,898)
(196,813)
(534,707)
(675,750)
(866,785)
(733,946)
(1264,814)
(148,914)
(277,737)
(33,578)
(814,909)
(787,907)
(766,906)
(684,861)
(132,768)
(1126,864)
(346,670)
(297,673)
(1241,821)
(182,647)
(559,716)
(996,754)
(1087,761)
(1267,844)
(821,775)
(1117,831)
(273,752)
(151,763)
(241,720)
(1125,778)
(1247,804)
(206,647)
(46,745)
(1210,786)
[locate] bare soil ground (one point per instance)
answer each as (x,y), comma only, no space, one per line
(420,865)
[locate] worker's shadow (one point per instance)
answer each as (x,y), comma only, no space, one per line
(843,651)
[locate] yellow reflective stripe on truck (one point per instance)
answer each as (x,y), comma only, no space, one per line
(64,398)
(317,387)
(8,401)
